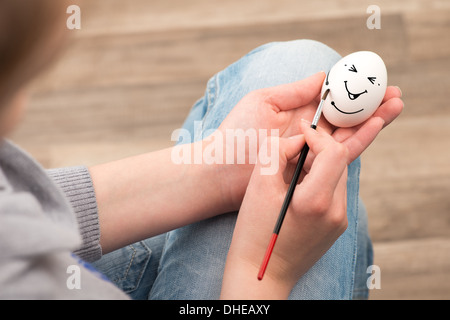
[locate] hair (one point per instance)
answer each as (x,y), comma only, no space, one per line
(29,38)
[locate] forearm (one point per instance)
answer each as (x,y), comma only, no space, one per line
(149,194)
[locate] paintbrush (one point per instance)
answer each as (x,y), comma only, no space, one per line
(290,192)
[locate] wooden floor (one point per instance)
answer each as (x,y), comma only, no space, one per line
(134,69)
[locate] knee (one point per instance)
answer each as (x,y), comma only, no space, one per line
(305,53)
(315,49)
(302,47)
(282,62)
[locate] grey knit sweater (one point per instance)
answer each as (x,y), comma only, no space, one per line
(48,228)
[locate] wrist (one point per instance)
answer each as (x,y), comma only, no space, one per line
(230,178)
(240,281)
(214,175)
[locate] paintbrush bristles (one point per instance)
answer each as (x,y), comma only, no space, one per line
(325,94)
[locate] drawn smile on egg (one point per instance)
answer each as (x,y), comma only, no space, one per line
(351,96)
(334,105)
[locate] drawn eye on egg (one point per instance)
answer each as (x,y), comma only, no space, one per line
(357,86)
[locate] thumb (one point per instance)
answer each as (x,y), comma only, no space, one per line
(275,153)
(296,94)
(291,147)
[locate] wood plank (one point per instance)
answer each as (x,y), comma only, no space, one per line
(405,180)
(411,208)
(111,113)
(428,33)
(102,17)
(140,118)
(415,269)
(161,57)
(424,85)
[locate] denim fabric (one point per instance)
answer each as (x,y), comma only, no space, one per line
(191,259)
(133,268)
(364,255)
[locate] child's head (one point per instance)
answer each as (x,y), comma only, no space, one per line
(31,32)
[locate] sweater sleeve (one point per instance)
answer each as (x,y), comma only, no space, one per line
(77,185)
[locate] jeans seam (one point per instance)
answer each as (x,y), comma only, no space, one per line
(355,241)
(211,92)
(133,256)
(163,252)
(125,274)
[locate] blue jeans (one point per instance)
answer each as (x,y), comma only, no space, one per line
(188,263)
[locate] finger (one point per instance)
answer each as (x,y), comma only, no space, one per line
(323,145)
(305,113)
(291,147)
(389,110)
(363,137)
(392,92)
(338,204)
(341,187)
(326,170)
(282,150)
(304,126)
(296,94)
(321,136)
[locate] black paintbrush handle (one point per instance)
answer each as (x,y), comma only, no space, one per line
(290,192)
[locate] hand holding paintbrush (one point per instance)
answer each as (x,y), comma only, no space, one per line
(316,215)
(355,97)
(311,225)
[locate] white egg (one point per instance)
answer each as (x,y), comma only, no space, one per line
(357,86)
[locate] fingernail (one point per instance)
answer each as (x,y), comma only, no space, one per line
(401,94)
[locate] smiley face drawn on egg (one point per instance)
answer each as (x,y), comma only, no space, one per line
(357,86)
